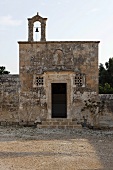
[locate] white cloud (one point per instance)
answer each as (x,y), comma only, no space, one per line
(9,21)
(93,10)
(67,1)
(43,3)
(59,3)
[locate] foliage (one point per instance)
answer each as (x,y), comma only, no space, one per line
(106,77)
(106,89)
(3,71)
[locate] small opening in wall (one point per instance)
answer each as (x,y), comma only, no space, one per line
(39,81)
(36,31)
(78,80)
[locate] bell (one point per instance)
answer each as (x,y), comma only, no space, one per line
(37,30)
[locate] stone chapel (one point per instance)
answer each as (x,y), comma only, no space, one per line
(55,76)
(56,81)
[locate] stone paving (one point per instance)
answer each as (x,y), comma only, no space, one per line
(55,149)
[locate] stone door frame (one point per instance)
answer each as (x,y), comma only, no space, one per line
(58,77)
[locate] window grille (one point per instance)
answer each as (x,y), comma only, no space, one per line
(78,80)
(39,81)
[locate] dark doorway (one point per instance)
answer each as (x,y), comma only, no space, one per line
(59,100)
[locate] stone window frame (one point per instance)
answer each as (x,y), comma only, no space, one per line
(81,80)
(41,83)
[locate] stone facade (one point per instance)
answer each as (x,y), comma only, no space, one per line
(28,98)
(56,62)
(9,98)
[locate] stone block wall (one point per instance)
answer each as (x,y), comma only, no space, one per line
(38,57)
(88,108)
(106,119)
(55,62)
(97,111)
(9,98)
(26,98)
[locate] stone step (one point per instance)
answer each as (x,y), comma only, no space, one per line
(59,126)
(106,117)
(106,123)
(59,119)
(59,123)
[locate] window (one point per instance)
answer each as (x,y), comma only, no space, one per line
(79,80)
(39,81)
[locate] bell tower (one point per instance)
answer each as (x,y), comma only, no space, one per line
(31,22)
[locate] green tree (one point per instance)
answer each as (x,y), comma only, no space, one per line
(102,75)
(3,71)
(106,89)
(106,77)
(109,70)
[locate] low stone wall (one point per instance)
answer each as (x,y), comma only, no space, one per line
(106,119)
(9,98)
(97,112)
(106,96)
(99,109)
(108,99)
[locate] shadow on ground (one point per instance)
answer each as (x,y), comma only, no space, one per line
(86,151)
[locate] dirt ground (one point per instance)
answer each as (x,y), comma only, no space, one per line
(37,149)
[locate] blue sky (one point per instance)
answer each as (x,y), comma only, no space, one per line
(67,20)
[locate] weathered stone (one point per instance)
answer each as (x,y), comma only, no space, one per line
(27,98)
(3,123)
(43,27)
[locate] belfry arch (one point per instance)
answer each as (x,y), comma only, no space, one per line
(31,22)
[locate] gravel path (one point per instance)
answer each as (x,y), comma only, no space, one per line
(47,149)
